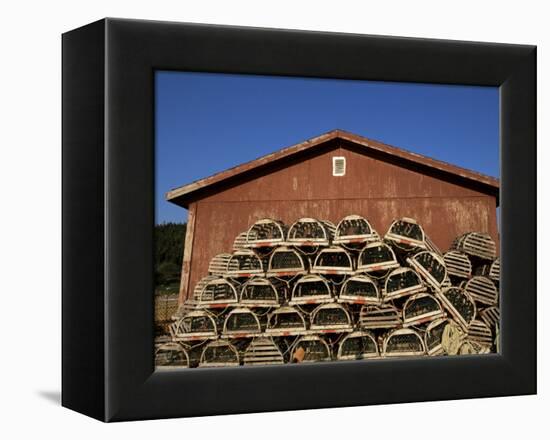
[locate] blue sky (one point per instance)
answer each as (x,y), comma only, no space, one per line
(208,122)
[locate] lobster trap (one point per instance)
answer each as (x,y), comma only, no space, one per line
(482,290)
(195,325)
(330,318)
(310,232)
(260,292)
(241,322)
(421,308)
(263,351)
(402,282)
(333,261)
(285,321)
(359,289)
(244,264)
(491,317)
(459,304)
(358,345)
(353,232)
(219,353)
(266,233)
(218,264)
(376,257)
(286,262)
(216,293)
(491,270)
(311,289)
(311,349)
(403,342)
(434,335)
(166,307)
(476,244)
(472,347)
(171,355)
(430,267)
(239,244)
(458,264)
(480,332)
(406,234)
(383,316)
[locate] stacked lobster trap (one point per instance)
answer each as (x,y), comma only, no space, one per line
(314,291)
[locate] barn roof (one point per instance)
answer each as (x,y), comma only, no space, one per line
(198,189)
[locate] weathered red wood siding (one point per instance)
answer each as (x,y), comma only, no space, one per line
(378,190)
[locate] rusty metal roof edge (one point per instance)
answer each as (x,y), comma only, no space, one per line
(289,151)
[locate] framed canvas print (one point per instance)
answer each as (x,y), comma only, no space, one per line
(261,219)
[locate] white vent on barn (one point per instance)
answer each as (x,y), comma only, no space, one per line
(219,353)
(330,318)
(480,332)
(218,264)
(431,268)
(402,282)
(310,232)
(333,261)
(459,304)
(358,345)
(266,233)
(244,263)
(359,289)
(434,335)
(171,355)
(458,264)
(482,290)
(421,308)
(338,166)
(285,321)
(259,292)
(286,262)
(376,257)
(403,342)
(241,322)
(311,349)
(196,325)
(354,231)
(491,270)
(476,244)
(217,293)
(383,316)
(311,289)
(406,233)
(491,317)
(263,351)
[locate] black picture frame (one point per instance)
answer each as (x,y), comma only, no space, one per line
(108,218)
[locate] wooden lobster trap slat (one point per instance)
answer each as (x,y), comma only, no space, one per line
(458,264)
(431,267)
(266,233)
(491,317)
(354,232)
(311,289)
(241,322)
(330,318)
(433,337)
(219,353)
(286,262)
(480,332)
(476,244)
(481,289)
(311,348)
(310,232)
(171,355)
(195,326)
(421,308)
(459,304)
(199,287)
(376,257)
(261,292)
(401,282)
(383,316)
(491,270)
(359,289)
(403,342)
(244,264)
(217,293)
(239,243)
(406,234)
(263,351)
(333,261)
(218,264)
(285,321)
(358,345)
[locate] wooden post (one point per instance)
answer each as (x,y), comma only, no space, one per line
(187,253)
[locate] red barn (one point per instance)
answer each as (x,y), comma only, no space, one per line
(329,177)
